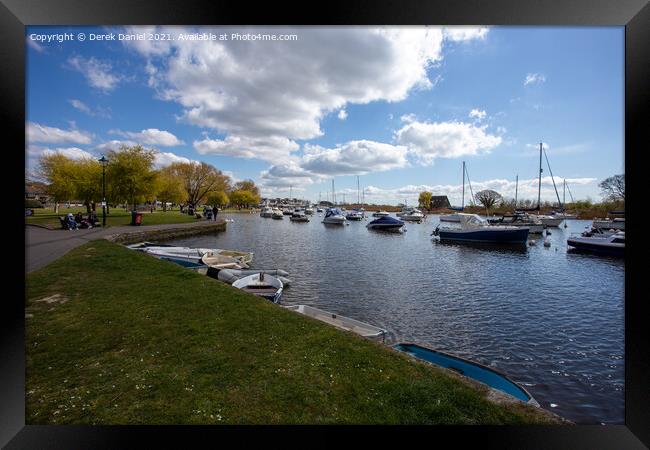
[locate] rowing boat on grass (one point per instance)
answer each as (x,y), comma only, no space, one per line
(341,322)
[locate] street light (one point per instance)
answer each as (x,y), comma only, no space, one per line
(103,162)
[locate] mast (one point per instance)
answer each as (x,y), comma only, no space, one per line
(516,188)
(333,194)
(539,186)
(462,205)
(564,195)
(358,198)
(290,192)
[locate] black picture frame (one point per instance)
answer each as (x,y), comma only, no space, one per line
(633,14)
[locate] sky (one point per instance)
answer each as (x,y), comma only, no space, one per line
(397,109)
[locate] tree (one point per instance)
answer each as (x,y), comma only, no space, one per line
(424,200)
(169,188)
(219,198)
(58,171)
(130,174)
(87,181)
(199,180)
(487,198)
(613,188)
(245,198)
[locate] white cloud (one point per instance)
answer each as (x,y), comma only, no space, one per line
(428,141)
(353,158)
(342,114)
(41,133)
(534,78)
(81,106)
(35,45)
(465,33)
(261,94)
(272,148)
(34,151)
(163,159)
(98,73)
(151,136)
(113,145)
(408,118)
(478,114)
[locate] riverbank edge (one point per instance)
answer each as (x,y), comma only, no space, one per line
(133,259)
(165,234)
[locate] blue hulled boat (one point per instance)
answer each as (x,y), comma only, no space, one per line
(386,223)
(475,371)
(475,229)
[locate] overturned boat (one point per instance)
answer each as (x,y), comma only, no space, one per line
(341,322)
(470,369)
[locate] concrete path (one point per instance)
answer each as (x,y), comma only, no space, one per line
(42,246)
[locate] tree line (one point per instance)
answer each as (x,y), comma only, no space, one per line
(612,190)
(131,178)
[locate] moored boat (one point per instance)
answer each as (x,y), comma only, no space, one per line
(520,220)
(475,229)
(267,211)
(617,223)
(550,221)
(334,216)
(386,223)
(354,215)
(341,322)
(613,244)
(469,369)
(450,217)
(380,214)
(412,215)
(191,257)
(277,214)
(262,285)
(299,216)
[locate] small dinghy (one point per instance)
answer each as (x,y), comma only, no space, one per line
(341,322)
(262,285)
(223,262)
(190,257)
(475,371)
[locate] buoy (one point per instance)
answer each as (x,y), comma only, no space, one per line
(547,243)
(531,243)
(548,232)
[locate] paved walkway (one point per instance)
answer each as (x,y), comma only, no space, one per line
(42,246)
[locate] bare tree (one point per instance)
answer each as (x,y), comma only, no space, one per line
(488,198)
(613,188)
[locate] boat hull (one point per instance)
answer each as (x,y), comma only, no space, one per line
(553,222)
(518,236)
(609,224)
(601,248)
(470,369)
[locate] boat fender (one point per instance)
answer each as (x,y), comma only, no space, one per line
(531,243)
(547,243)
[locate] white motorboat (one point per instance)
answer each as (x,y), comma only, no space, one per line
(617,223)
(354,215)
(613,244)
(299,216)
(190,257)
(550,221)
(341,322)
(267,211)
(380,214)
(334,216)
(412,215)
(223,262)
(309,211)
(277,214)
(520,220)
(287,211)
(475,229)
(262,285)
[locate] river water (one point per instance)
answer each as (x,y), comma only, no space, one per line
(552,319)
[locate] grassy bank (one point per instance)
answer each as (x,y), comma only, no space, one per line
(116,337)
(47,218)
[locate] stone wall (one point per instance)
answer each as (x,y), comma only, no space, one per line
(162,234)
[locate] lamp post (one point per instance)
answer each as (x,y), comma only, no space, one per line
(103,162)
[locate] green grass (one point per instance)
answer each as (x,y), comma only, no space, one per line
(46,217)
(143,341)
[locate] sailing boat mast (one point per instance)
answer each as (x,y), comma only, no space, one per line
(516,188)
(539,188)
(333,194)
(358,196)
(462,205)
(564,195)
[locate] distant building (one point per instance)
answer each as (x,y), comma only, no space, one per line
(439,201)
(36,191)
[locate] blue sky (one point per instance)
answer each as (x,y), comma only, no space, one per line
(399,107)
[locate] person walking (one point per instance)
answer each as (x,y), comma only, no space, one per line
(215,211)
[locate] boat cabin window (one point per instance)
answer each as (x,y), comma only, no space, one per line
(619,241)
